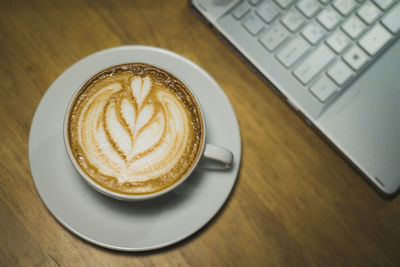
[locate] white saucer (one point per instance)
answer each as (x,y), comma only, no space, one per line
(121,225)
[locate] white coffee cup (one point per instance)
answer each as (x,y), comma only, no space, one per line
(211,156)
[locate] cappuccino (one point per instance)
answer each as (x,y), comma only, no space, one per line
(135,129)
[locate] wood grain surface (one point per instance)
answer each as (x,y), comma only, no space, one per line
(296,201)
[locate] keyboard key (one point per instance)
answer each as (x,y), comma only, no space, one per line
(345,6)
(340,73)
(318,59)
(254,2)
(253,24)
(313,32)
(354,26)
(369,12)
(355,58)
(241,10)
(268,11)
(324,1)
(308,7)
(375,39)
(392,19)
(293,20)
(293,51)
(323,89)
(274,37)
(383,4)
(329,18)
(284,3)
(338,41)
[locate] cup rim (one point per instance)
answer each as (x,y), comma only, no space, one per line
(113,194)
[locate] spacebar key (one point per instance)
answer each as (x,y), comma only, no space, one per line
(321,57)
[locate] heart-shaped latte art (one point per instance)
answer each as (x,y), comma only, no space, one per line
(134,124)
(133,132)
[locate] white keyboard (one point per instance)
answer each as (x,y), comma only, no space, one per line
(324,44)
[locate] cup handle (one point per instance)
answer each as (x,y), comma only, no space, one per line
(215,157)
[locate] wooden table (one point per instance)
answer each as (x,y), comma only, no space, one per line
(296,201)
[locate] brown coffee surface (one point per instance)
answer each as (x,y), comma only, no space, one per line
(135,129)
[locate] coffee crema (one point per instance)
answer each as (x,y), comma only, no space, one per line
(135,129)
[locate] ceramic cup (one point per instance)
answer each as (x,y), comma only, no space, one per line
(211,156)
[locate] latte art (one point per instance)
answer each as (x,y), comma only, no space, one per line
(135,129)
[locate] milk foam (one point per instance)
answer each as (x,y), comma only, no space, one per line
(134,130)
